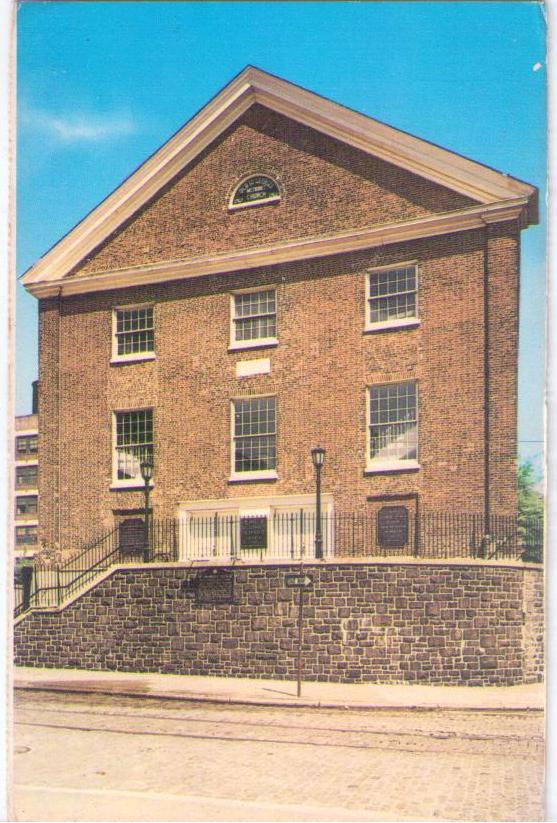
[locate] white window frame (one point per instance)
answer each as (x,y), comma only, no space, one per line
(405,322)
(376,465)
(275,198)
(130,483)
(134,357)
(258,342)
(262,474)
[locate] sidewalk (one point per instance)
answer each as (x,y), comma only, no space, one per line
(283,692)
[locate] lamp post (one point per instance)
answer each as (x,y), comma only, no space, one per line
(318,458)
(146,467)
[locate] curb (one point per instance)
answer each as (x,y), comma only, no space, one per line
(195,697)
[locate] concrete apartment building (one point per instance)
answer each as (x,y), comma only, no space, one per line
(283,273)
(26,485)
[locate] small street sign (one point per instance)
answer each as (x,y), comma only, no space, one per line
(298,581)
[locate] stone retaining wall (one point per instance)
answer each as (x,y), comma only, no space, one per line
(374,622)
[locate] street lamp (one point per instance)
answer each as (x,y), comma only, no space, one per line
(318,458)
(146,467)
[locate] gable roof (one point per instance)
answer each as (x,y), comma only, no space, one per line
(499,196)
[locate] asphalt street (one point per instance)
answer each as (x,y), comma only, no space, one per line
(94,757)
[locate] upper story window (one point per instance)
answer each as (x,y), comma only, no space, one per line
(26,506)
(26,445)
(392,297)
(393,426)
(254,191)
(254,447)
(134,333)
(133,443)
(254,319)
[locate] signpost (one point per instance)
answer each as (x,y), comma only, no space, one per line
(299,581)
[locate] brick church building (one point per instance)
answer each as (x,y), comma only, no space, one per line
(283,273)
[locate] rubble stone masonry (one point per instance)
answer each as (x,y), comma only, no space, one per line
(392,622)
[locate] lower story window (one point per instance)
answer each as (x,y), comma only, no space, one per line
(393,422)
(255,434)
(26,535)
(133,443)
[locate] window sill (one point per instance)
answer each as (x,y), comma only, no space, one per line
(386,325)
(262,343)
(26,521)
(253,203)
(132,358)
(392,466)
(243,477)
(129,485)
(27,461)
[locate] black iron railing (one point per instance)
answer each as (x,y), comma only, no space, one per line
(284,536)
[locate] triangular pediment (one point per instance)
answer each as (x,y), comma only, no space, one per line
(472,185)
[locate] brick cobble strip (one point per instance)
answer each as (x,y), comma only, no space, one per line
(381,623)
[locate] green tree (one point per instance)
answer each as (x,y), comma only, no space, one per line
(530,513)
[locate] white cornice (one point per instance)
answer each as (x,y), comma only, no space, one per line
(307,248)
(252,85)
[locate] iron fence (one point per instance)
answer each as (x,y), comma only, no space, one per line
(286,536)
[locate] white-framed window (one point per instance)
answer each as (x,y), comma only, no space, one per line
(253,318)
(254,190)
(254,438)
(393,426)
(133,333)
(392,297)
(133,443)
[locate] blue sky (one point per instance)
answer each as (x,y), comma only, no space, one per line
(102,85)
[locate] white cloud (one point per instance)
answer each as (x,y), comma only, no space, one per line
(77,126)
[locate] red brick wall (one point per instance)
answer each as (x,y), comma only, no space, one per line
(377,623)
(323,362)
(319,372)
(327,187)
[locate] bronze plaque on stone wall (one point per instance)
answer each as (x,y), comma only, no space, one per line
(212,586)
(392,526)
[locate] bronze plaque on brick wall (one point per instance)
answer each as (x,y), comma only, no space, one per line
(392,526)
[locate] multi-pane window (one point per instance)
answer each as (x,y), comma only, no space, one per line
(255,434)
(393,422)
(26,535)
(26,445)
(26,506)
(254,316)
(134,331)
(392,294)
(26,477)
(134,442)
